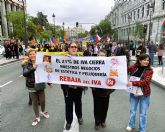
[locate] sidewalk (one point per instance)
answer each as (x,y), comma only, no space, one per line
(159,72)
(158,76)
(4,61)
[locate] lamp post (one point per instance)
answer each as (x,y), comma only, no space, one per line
(151,6)
(129,19)
(54,23)
(25,24)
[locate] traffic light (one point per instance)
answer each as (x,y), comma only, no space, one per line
(76,24)
(145,29)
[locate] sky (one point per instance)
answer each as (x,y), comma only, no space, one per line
(71,11)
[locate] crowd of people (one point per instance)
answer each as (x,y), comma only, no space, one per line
(73,94)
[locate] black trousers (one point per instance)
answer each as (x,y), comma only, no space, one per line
(71,96)
(101,105)
(160,60)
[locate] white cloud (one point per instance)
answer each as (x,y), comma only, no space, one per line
(71,11)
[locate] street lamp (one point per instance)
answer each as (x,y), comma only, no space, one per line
(25,24)
(54,23)
(151,7)
(129,19)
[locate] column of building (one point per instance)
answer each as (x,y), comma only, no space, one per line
(4,19)
(10,25)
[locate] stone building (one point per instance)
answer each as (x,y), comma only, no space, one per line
(5,7)
(150,13)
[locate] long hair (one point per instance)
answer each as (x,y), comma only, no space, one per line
(143,57)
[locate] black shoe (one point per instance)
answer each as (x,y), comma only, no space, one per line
(68,126)
(80,121)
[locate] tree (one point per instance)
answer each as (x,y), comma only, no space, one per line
(17,19)
(138,32)
(103,29)
(83,35)
(93,31)
(105,26)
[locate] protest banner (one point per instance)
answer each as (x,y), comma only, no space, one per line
(100,72)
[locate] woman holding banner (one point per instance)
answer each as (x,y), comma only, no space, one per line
(101,101)
(72,94)
(36,90)
(143,71)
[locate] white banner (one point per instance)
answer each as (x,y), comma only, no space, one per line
(101,72)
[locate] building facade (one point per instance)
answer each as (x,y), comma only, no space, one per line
(5,7)
(125,15)
(73,32)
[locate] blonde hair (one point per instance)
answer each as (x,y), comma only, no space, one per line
(31,50)
(25,61)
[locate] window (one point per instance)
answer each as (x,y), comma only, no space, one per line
(148,9)
(163,4)
(134,15)
(142,11)
(138,13)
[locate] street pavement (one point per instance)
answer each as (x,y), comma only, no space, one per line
(17,115)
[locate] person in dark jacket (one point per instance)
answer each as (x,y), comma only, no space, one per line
(72,94)
(101,101)
(143,71)
(28,72)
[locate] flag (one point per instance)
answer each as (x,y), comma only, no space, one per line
(98,38)
(51,41)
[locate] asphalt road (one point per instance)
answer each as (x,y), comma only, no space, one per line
(17,115)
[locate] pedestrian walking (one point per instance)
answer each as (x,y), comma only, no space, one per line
(36,90)
(152,51)
(101,101)
(72,95)
(160,54)
(141,69)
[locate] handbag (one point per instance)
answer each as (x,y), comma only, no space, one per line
(39,86)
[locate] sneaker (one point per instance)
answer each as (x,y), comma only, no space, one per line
(36,121)
(68,126)
(129,129)
(45,114)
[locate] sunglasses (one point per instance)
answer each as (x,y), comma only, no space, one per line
(73,47)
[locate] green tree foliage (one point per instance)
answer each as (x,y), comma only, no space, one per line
(41,20)
(103,29)
(83,35)
(105,25)
(17,19)
(93,31)
(138,32)
(45,35)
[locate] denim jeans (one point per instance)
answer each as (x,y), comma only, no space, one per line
(152,58)
(144,102)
